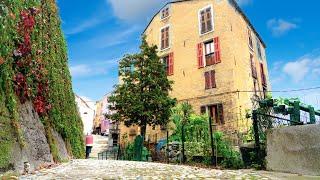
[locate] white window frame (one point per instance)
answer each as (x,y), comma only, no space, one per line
(199,19)
(169,9)
(169,38)
(251,48)
(204,50)
(258,44)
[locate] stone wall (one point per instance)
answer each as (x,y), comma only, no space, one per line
(36,150)
(294,149)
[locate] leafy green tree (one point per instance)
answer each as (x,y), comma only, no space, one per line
(142,97)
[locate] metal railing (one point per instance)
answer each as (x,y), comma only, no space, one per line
(111,154)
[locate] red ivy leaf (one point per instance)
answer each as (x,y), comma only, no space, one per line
(1,60)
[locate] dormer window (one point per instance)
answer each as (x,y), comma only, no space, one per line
(165,12)
(206,20)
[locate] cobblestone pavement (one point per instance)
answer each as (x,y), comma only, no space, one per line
(95,169)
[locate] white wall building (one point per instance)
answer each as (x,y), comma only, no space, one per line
(86,109)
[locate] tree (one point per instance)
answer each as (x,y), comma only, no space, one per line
(142,97)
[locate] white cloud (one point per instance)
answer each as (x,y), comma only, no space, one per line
(87,24)
(297,69)
(302,67)
(280,27)
(114,38)
(80,70)
(316,71)
(94,69)
(135,10)
(244,2)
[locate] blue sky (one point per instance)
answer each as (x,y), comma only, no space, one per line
(100,32)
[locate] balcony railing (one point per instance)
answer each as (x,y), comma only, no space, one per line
(210,59)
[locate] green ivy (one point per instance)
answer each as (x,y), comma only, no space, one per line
(46,37)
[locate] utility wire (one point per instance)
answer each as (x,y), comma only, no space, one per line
(292,90)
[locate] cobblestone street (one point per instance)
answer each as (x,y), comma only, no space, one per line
(95,169)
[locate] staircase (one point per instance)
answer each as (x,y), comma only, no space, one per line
(100,144)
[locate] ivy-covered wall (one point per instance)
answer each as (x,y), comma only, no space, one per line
(34,68)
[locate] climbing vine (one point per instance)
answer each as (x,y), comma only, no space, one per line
(34,68)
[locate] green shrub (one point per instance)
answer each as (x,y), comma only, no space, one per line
(231,158)
(131,151)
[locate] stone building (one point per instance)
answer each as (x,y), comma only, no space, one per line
(215,57)
(101,123)
(86,110)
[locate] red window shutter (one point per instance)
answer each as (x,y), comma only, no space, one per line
(171,63)
(207,80)
(200,55)
(217,55)
(263,77)
(213,79)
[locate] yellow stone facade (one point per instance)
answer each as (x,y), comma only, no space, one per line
(234,80)
(233,75)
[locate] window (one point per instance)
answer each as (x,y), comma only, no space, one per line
(165,37)
(203,110)
(250,39)
(215,112)
(209,53)
(210,79)
(263,76)
(168,63)
(264,89)
(165,12)
(259,49)
(255,86)
(253,67)
(206,20)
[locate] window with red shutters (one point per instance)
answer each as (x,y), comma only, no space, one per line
(216,113)
(209,53)
(210,79)
(168,62)
(263,76)
(209,50)
(200,55)
(253,67)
